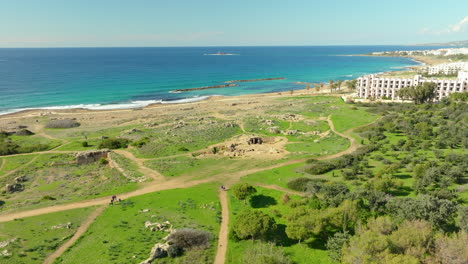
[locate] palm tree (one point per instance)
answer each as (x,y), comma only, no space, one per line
(317,87)
(330,82)
(352,84)
(339,84)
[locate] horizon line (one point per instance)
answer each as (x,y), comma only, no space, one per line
(228,46)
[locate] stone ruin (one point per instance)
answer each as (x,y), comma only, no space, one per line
(5,243)
(17,186)
(62,226)
(255,140)
(90,156)
(164,226)
(159,250)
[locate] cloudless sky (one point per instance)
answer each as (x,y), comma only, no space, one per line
(111,23)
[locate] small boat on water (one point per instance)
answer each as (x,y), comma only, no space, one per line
(219,53)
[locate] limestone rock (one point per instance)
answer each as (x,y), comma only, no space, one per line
(158,251)
(15,187)
(90,156)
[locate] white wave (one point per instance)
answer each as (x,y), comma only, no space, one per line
(349,75)
(186,100)
(129,105)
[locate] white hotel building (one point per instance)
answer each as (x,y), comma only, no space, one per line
(448,68)
(373,86)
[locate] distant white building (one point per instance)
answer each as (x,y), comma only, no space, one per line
(434,52)
(374,86)
(448,68)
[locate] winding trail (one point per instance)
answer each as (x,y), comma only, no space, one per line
(80,231)
(223,230)
(3,164)
(44,152)
(141,165)
(179,182)
(20,167)
(162,183)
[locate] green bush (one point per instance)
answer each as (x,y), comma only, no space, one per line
(299,184)
(62,123)
(188,238)
(114,143)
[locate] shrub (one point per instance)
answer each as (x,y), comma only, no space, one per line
(62,123)
(24,132)
(319,167)
(140,142)
(174,251)
(285,198)
(103,161)
(335,245)
(48,198)
(188,238)
(114,143)
(261,253)
(299,184)
(85,144)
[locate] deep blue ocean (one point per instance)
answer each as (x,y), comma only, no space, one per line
(106,78)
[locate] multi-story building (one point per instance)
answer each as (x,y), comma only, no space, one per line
(374,86)
(448,68)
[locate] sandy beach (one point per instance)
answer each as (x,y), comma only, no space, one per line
(241,105)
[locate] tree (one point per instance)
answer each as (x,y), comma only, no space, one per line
(352,84)
(253,224)
(453,250)
(338,84)
(413,238)
(330,82)
(317,87)
(335,245)
(242,191)
(439,212)
(463,218)
(420,93)
(299,229)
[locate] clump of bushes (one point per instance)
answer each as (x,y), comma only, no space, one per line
(24,132)
(188,238)
(262,252)
(114,143)
(62,123)
(299,184)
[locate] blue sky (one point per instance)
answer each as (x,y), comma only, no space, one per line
(112,23)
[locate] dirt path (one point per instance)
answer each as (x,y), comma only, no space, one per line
(44,152)
(3,164)
(141,165)
(224,229)
(20,167)
(180,182)
(80,231)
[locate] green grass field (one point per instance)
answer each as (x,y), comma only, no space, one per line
(34,237)
(52,179)
(119,234)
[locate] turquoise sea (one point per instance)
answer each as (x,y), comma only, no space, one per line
(107,78)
